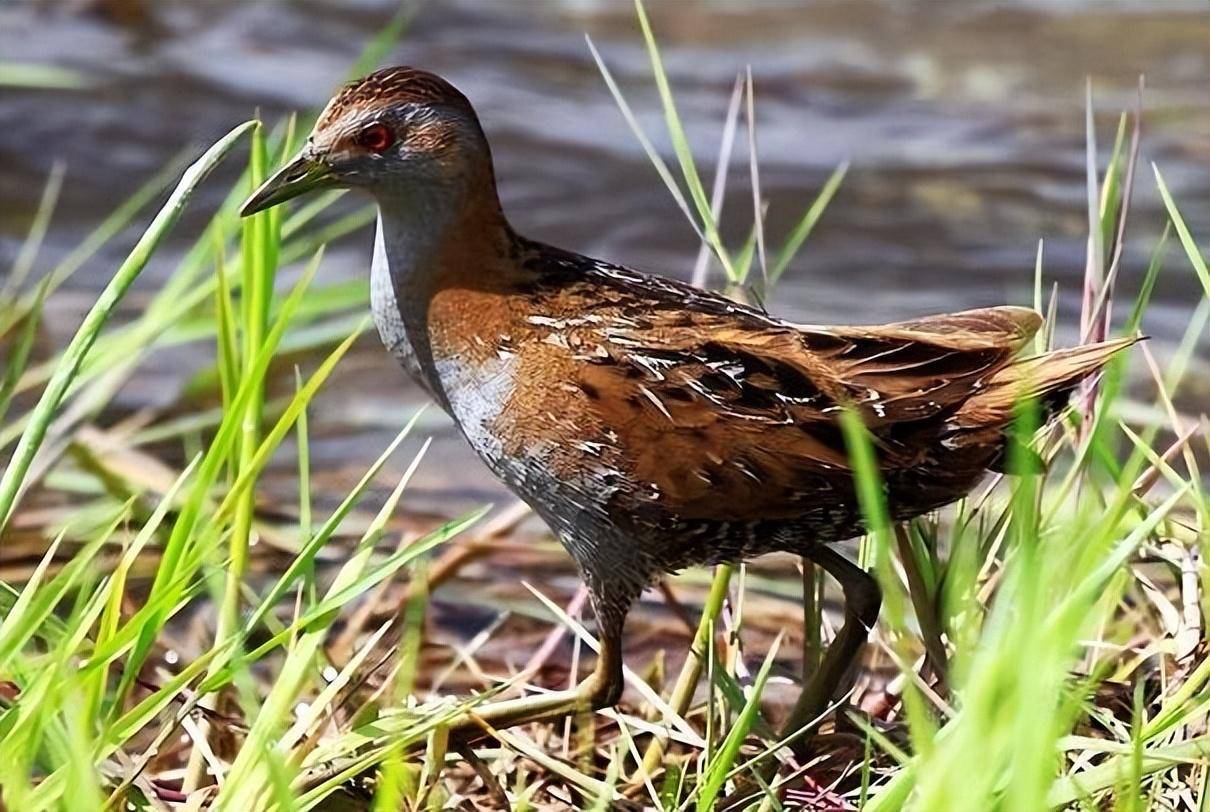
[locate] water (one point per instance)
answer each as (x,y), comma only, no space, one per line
(963,123)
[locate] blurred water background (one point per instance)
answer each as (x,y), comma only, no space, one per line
(963,122)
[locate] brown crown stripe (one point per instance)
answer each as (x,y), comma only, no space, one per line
(392,86)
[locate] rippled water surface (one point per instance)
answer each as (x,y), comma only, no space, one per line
(963,123)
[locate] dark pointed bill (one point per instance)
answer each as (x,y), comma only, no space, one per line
(300,176)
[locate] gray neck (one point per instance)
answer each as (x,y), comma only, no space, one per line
(413,227)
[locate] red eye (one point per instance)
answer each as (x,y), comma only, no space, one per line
(376,137)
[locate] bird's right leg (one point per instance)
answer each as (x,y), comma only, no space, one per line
(600,689)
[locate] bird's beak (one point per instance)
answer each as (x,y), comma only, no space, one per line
(301,175)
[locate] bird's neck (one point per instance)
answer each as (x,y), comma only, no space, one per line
(443,234)
(439,240)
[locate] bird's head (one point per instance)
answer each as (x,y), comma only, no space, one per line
(398,131)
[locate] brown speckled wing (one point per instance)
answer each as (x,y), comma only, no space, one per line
(735,421)
(716,411)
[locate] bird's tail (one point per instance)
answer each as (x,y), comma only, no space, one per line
(1047,378)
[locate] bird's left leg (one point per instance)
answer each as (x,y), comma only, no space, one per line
(862,600)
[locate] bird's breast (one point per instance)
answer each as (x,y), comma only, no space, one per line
(514,392)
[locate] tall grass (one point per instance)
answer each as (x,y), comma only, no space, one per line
(1040,645)
(69,635)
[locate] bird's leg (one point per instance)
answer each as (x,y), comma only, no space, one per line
(862,600)
(602,688)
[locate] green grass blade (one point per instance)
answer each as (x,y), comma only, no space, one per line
(640,135)
(18,356)
(1196,258)
(37,233)
(723,762)
(77,349)
(806,224)
(109,228)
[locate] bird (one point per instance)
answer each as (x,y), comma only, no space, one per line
(651,424)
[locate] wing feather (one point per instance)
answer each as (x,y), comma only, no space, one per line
(728,416)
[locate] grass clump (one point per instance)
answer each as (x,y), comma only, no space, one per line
(1040,647)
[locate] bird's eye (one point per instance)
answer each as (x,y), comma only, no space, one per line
(376,137)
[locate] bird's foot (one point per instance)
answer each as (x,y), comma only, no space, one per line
(595,692)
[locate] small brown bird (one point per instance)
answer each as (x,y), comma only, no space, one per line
(651,424)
